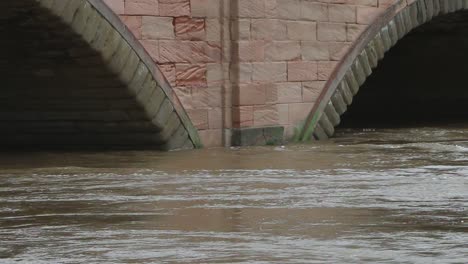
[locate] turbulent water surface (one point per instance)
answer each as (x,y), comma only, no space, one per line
(384,196)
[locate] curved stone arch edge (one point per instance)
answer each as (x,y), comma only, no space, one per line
(144,59)
(352,71)
(144,56)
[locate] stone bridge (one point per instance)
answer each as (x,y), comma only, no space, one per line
(172,74)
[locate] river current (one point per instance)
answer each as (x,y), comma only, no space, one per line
(374,196)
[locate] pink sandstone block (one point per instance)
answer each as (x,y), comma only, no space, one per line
(199,118)
(269,29)
(269,71)
(338,50)
(190,28)
(142,7)
(289,92)
(251,94)
(206,8)
(283,114)
(298,112)
(282,51)
(193,75)
(215,74)
(365,15)
(265,115)
(302,30)
(342,13)
(311,10)
(206,97)
(302,71)
(117,6)
(325,68)
(211,138)
(184,95)
(134,23)
(188,52)
(213,30)
(242,116)
(157,28)
(215,118)
(315,51)
(353,31)
(311,90)
(251,8)
(174,8)
(331,31)
(250,50)
(152,46)
(169,71)
(288,9)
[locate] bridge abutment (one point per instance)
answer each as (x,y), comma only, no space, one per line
(242,68)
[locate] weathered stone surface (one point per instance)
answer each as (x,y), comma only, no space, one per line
(178,140)
(327,125)
(358,71)
(413,10)
(384,39)
(138,78)
(189,28)
(422,12)
(430,8)
(393,33)
(120,58)
(142,7)
(372,54)
(331,31)
(302,30)
(346,93)
(171,8)
(338,102)
(400,27)
(302,71)
(81,16)
(91,27)
(266,29)
(157,28)
(332,114)
(319,133)
(351,82)
(258,136)
(364,60)
(163,114)
(70,10)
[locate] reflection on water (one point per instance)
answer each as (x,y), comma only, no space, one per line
(390,196)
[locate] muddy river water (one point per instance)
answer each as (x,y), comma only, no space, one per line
(384,196)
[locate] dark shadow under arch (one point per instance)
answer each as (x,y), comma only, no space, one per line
(364,56)
(421,81)
(74,76)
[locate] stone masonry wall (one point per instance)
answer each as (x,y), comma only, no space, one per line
(184,37)
(286,50)
(282,51)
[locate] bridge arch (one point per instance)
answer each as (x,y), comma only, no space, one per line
(75,75)
(364,56)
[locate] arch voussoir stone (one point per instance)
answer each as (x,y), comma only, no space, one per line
(364,56)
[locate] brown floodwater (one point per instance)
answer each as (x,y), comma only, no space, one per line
(374,196)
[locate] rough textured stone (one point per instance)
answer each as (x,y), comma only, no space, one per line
(351,82)
(338,102)
(346,93)
(258,136)
(332,114)
(319,133)
(327,126)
